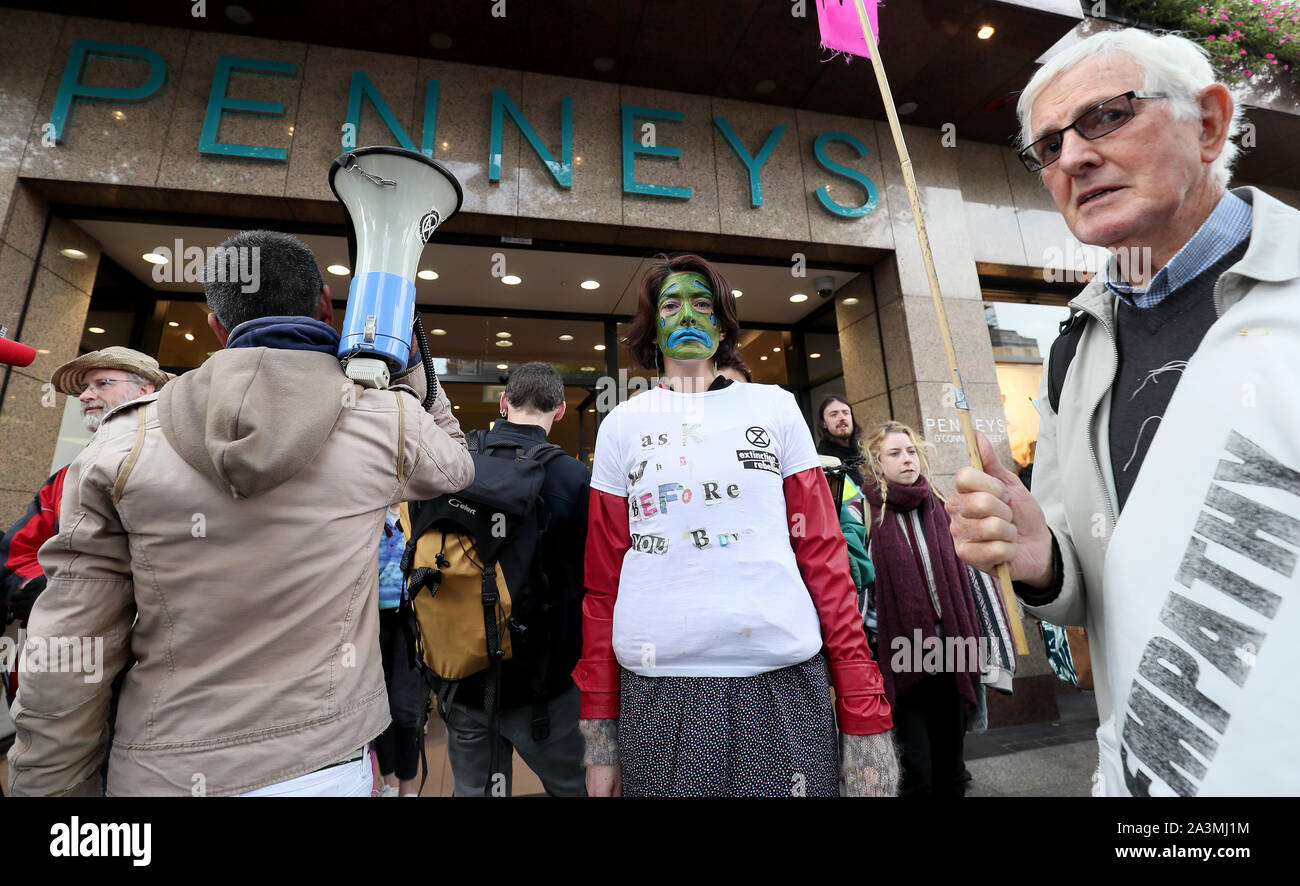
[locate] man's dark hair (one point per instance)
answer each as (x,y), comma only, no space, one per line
(824,434)
(288,280)
(536,387)
(642,340)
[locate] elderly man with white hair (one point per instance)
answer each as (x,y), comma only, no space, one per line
(1165,514)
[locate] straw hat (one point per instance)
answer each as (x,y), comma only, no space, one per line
(69,377)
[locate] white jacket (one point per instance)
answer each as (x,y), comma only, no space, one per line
(1178,657)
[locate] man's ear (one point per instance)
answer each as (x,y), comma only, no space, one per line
(1216,107)
(217,329)
(505,408)
(559,413)
(325,313)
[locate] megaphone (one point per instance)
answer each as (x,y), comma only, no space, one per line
(394,200)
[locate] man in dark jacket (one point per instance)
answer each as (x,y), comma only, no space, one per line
(840,435)
(532,402)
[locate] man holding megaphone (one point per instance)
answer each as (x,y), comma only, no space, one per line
(233,517)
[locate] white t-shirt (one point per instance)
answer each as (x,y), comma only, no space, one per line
(710,586)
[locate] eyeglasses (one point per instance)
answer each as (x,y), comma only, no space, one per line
(100,385)
(1101,119)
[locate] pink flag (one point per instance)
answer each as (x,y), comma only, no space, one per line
(840,27)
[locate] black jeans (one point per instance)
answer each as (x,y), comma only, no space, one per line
(930,727)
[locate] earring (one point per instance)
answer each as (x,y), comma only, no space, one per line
(503,413)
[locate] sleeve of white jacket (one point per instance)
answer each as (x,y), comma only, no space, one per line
(436,461)
(1069,606)
(61,714)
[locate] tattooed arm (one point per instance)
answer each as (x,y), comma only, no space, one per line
(868,765)
(600,740)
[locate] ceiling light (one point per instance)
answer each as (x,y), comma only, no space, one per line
(851,300)
(119,115)
(444,146)
(591,409)
(512,280)
(98,330)
(566,337)
(154,258)
(764,357)
(985,32)
(588,369)
(907,108)
(737,293)
(600,347)
(505,343)
(291,130)
(503,366)
(172,323)
(814,355)
(239,15)
(590,284)
(603,63)
(340,270)
(440,41)
(438,331)
(777,350)
(457,406)
(189,336)
(763,87)
(798,297)
(42,350)
(426,274)
(503,335)
(75,254)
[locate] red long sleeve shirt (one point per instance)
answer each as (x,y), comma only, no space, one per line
(822,557)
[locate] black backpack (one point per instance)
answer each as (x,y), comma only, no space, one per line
(1062,354)
(475,581)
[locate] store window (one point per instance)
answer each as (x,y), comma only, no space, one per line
(1022,336)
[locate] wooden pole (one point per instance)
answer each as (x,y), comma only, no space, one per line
(963,408)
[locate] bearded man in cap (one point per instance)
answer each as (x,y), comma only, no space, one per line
(101,381)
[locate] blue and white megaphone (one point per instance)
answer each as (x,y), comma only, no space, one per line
(394,199)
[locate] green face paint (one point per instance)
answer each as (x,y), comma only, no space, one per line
(688,326)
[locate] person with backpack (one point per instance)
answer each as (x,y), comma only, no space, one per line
(224,531)
(397,749)
(528,702)
(713,527)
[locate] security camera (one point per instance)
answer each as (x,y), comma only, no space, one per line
(825,286)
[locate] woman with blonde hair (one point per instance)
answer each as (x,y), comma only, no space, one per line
(926,623)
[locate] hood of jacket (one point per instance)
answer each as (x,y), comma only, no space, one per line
(251,418)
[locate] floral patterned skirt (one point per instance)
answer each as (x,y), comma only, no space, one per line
(770,735)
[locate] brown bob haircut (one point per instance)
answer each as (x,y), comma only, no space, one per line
(642,340)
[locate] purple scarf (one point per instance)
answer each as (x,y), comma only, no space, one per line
(902,596)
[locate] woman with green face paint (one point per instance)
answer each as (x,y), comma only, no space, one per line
(711,527)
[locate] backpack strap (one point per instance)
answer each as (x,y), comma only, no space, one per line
(1061,354)
(492,686)
(544,453)
(119,485)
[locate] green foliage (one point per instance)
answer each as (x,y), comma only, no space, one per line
(1247,39)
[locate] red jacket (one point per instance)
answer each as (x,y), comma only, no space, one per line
(24,538)
(18,564)
(819,549)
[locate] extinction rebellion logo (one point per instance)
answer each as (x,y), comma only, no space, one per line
(758,460)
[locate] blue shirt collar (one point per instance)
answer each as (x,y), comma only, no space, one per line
(1225,229)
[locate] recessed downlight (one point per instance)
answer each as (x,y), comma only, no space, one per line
(587,369)
(590,284)
(851,300)
(172,323)
(503,335)
(600,347)
(512,279)
(74,254)
(339,270)
(737,293)
(98,330)
(503,366)
(505,343)
(154,258)
(189,336)
(437,332)
(566,337)
(426,274)
(814,355)
(764,357)
(798,297)
(985,32)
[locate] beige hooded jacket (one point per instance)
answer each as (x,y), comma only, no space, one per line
(224,533)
